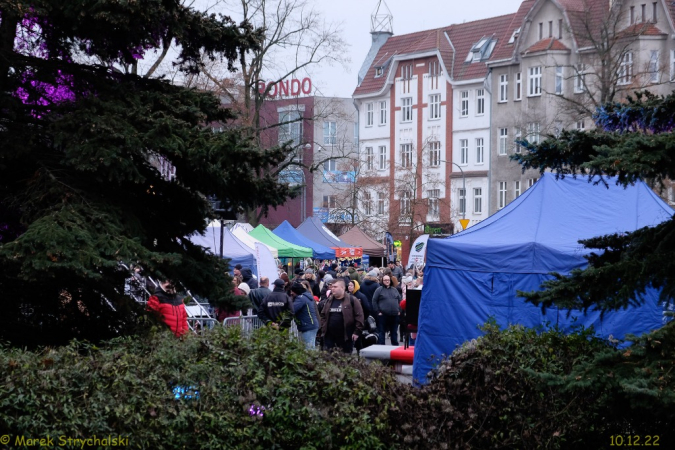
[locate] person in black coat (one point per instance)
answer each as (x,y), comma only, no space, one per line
(247,276)
(276,309)
(353,289)
(370,284)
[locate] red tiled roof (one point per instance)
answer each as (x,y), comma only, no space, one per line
(642,29)
(404,44)
(585,19)
(504,50)
(463,37)
(545,45)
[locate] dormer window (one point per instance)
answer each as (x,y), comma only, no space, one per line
(379,71)
(481,50)
(514,36)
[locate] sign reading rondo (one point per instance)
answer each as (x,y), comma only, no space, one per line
(285,88)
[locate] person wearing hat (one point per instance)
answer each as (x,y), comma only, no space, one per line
(276,309)
(304,309)
(237,270)
(247,277)
(311,279)
(370,284)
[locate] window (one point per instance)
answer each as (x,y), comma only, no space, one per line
(367,204)
(370,158)
(503,136)
(654,66)
(558,80)
(560,28)
(435,154)
(464,104)
(433,195)
(579,78)
(541,30)
(462,201)
(369,115)
(290,128)
(379,71)
(480,151)
(643,9)
(516,189)
(406,155)
(557,128)
(519,87)
(405,203)
(329,133)
(407,71)
(503,88)
(434,72)
(632,15)
(330,165)
(464,151)
(533,132)
(329,201)
(480,102)
(550,28)
(581,124)
(518,136)
(382,160)
(654,10)
(477,200)
(435,106)
(626,69)
(356,134)
(534,81)
(383,113)
(502,194)
(531,182)
(406,109)
(381,202)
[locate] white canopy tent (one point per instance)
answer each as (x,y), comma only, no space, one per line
(250,241)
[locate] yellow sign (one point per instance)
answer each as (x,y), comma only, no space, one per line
(464,222)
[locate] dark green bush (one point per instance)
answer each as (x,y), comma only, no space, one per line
(517,388)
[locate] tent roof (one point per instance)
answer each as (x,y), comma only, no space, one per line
(313,229)
(286,249)
(237,252)
(287,232)
(539,231)
(247,227)
(250,241)
(371,247)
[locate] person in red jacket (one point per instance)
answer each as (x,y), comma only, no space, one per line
(170,307)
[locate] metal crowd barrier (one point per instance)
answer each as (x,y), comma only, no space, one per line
(249,324)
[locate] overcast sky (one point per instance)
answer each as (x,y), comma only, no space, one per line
(409,16)
(354,16)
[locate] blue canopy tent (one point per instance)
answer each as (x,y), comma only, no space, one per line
(237,252)
(312,228)
(474,275)
(286,232)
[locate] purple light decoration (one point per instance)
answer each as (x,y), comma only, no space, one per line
(256,411)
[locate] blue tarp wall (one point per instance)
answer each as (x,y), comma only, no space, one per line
(474,275)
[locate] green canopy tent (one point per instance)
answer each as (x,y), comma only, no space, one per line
(286,249)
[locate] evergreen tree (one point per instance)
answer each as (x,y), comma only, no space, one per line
(79,191)
(633,141)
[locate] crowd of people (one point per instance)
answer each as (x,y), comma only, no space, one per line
(334,307)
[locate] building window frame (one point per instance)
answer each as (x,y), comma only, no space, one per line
(370,114)
(518,92)
(433,195)
(502,194)
(406,203)
(626,69)
(383,112)
(534,81)
(516,189)
(370,158)
(406,155)
(434,106)
(558,80)
(461,197)
(329,132)
(503,88)
(382,157)
(434,153)
(478,200)
(464,104)
(580,78)
(463,152)
(534,132)
(653,70)
(480,150)
(381,203)
(406,109)
(503,139)
(480,102)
